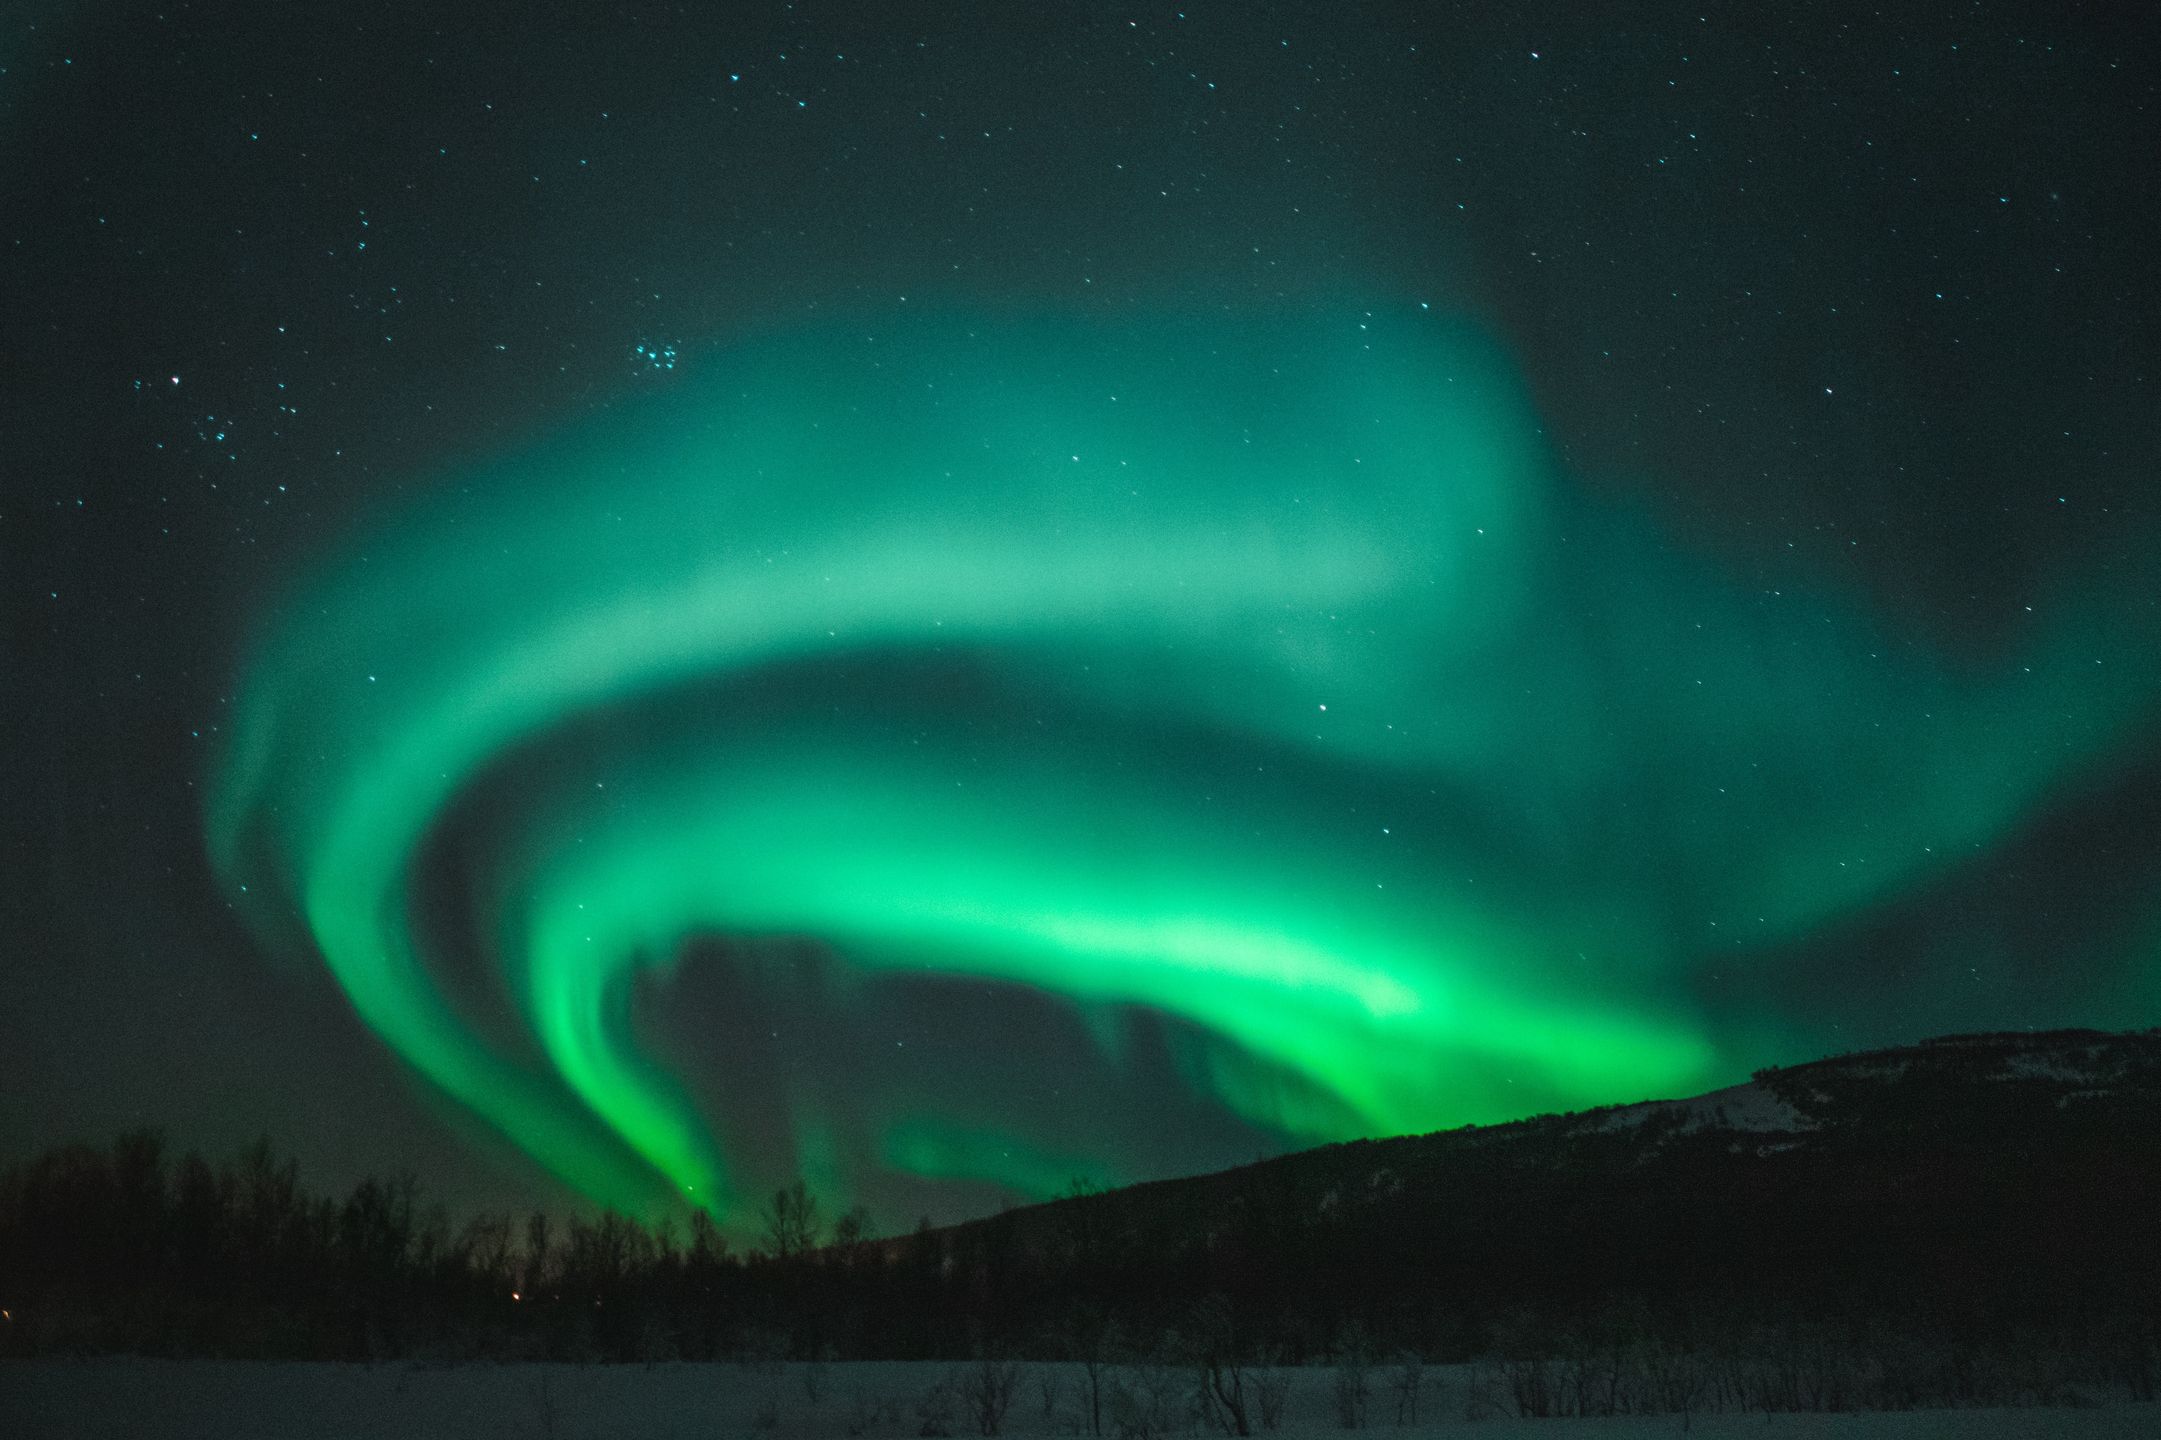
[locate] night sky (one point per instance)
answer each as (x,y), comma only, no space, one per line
(614,604)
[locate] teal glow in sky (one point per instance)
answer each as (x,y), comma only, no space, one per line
(1267,674)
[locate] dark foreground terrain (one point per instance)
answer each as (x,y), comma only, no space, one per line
(1966,1222)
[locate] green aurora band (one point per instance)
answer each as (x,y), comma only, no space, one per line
(1262,673)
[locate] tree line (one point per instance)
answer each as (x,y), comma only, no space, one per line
(1604,1291)
(121,1248)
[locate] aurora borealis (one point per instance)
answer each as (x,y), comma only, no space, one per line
(1232,670)
(623,615)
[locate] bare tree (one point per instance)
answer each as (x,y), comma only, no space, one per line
(1406,1380)
(489,1249)
(850,1231)
(791,1222)
(537,1267)
(987,1388)
(1353,1363)
(934,1408)
(1092,1337)
(1154,1395)
(1222,1366)
(708,1247)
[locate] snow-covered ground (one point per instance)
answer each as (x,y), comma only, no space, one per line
(218,1400)
(1747,1107)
